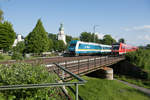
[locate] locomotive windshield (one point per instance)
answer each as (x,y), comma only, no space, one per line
(72,45)
(115,47)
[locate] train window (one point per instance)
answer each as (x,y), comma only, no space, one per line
(115,48)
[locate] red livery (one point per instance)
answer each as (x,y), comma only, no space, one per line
(121,48)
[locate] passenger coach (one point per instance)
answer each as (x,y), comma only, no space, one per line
(77,47)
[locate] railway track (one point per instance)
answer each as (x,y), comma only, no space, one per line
(47,60)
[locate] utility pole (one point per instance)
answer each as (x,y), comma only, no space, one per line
(94,27)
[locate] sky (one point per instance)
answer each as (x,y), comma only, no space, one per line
(128,19)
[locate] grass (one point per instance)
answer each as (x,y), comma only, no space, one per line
(139,82)
(101,89)
(5,57)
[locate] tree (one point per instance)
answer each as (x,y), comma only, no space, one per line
(7,35)
(62,46)
(68,38)
(88,37)
(52,36)
(121,40)
(51,44)
(75,38)
(37,41)
(1,16)
(85,36)
(20,47)
(108,40)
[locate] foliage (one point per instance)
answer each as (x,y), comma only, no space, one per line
(68,38)
(75,38)
(140,58)
(139,82)
(7,36)
(51,45)
(37,40)
(88,37)
(1,16)
(20,47)
(108,40)
(26,74)
(52,36)
(101,89)
(17,56)
(1,57)
(121,40)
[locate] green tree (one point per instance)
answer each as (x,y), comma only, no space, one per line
(121,40)
(7,35)
(108,40)
(37,41)
(68,38)
(20,47)
(51,44)
(62,46)
(85,36)
(52,36)
(75,38)
(89,37)
(1,16)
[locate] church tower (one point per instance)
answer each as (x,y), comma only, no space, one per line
(61,35)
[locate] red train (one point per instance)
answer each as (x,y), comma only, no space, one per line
(121,48)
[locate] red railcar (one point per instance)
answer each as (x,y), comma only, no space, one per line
(121,48)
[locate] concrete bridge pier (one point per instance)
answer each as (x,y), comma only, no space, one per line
(107,73)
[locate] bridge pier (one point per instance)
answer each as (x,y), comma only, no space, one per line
(107,73)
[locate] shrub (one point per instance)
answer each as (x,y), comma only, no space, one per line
(26,74)
(1,57)
(17,56)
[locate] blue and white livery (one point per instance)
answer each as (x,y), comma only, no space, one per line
(77,47)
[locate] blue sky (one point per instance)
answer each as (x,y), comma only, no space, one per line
(129,19)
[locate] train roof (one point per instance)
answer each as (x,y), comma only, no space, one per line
(75,41)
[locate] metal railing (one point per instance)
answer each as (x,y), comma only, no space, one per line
(84,66)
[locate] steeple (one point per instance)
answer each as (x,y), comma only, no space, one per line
(61,27)
(61,34)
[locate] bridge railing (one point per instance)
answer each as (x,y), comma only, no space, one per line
(84,66)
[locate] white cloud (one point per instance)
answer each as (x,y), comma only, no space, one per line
(136,28)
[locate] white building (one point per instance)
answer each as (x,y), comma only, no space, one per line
(61,34)
(18,39)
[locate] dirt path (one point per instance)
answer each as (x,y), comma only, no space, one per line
(144,90)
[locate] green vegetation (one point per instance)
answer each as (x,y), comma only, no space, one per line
(4,57)
(91,37)
(17,56)
(1,16)
(18,74)
(140,58)
(37,41)
(101,89)
(7,36)
(139,82)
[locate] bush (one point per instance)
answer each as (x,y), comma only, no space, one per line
(26,74)
(1,57)
(17,56)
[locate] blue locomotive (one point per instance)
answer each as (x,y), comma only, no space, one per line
(77,47)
